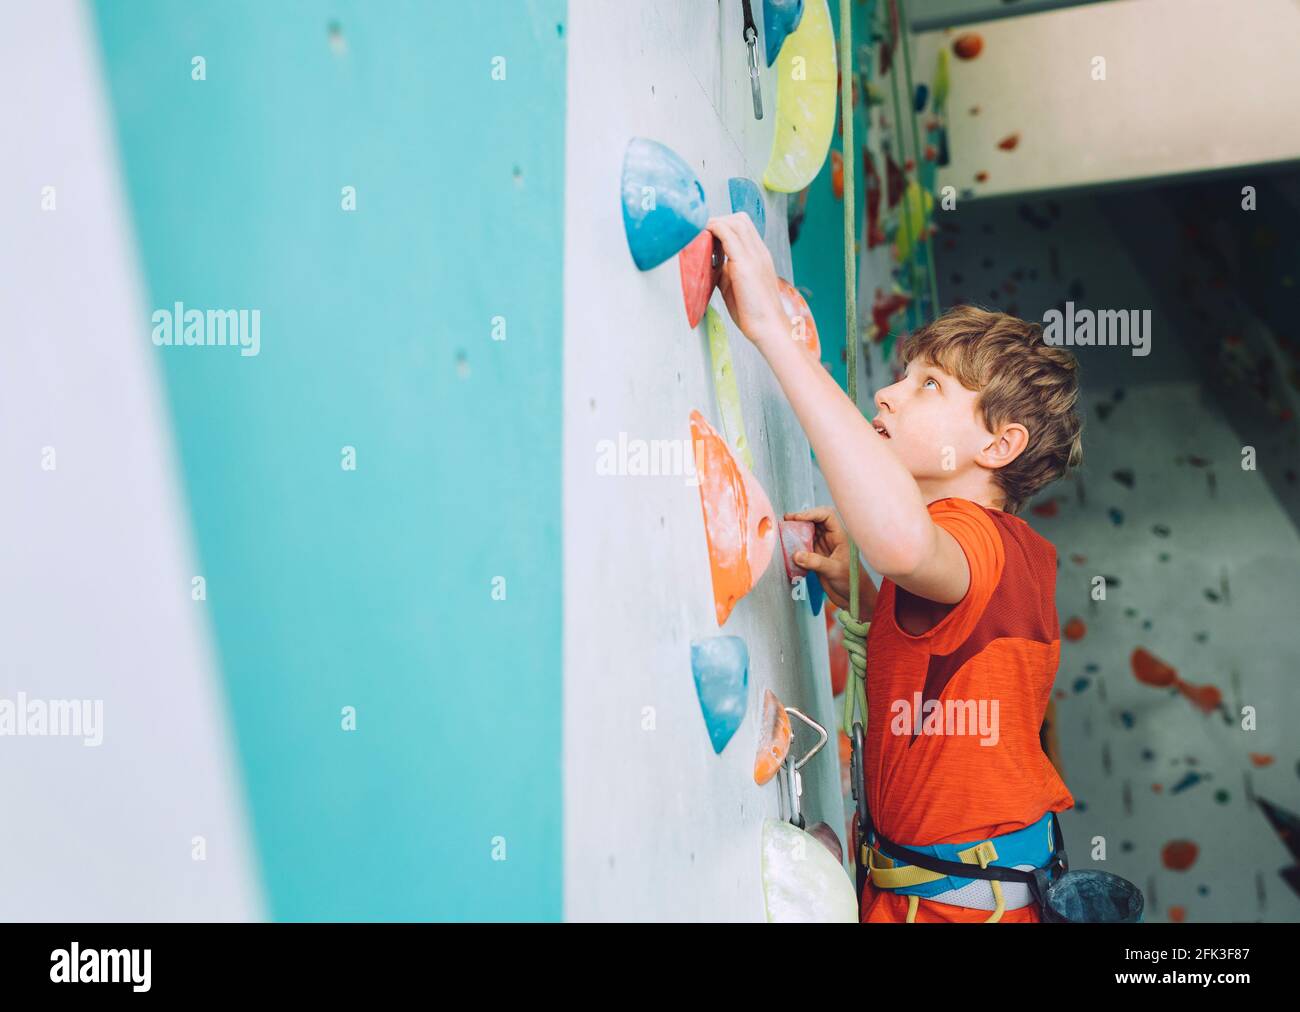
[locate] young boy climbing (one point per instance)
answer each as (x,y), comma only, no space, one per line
(982,420)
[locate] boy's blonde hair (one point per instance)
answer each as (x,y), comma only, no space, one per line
(1019,379)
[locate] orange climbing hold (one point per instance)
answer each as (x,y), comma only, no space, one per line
(739,524)
(1075,630)
(837,175)
(803,328)
(1258,759)
(1150,670)
(774,739)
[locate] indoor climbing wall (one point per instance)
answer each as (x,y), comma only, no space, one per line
(1197,553)
(1140,106)
(658,825)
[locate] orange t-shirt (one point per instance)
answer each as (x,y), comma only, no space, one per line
(990,663)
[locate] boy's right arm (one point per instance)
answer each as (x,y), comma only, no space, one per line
(877,496)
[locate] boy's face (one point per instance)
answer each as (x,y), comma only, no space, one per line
(931,423)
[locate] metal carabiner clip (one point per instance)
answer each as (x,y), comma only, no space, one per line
(751,42)
(791,767)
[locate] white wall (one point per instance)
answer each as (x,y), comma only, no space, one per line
(95,557)
(656,825)
(1190,85)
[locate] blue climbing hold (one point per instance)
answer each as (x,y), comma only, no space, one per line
(780,18)
(815,593)
(663,202)
(721,668)
(745,196)
(922,96)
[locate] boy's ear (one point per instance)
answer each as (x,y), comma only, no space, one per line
(1009,442)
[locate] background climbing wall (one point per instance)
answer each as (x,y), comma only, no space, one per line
(1200,555)
(656,825)
(1177,96)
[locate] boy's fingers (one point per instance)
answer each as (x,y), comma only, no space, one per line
(725,229)
(820,515)
(816,514)
(821,564)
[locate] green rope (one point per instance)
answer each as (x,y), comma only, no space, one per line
(918,154)
(854,632)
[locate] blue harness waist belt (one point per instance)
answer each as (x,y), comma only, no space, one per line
(1030,847)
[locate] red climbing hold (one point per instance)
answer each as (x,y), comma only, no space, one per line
(968,45)
(1150,670)
(1179,855)
(699,277)
(1009,142)
(1075,630)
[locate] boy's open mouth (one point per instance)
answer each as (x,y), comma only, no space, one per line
(879,427)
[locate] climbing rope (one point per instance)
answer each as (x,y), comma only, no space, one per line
(855,632)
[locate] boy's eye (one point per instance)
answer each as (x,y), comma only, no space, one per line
(929,381)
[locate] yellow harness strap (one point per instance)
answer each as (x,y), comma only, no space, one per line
(884,874)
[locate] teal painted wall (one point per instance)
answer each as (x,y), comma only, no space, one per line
(370,588)
(818,252)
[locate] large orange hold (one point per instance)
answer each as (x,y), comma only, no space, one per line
(1075,630)
(968,45)
(774,738)
(739,523)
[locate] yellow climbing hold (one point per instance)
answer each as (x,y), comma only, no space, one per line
(724,386)
(914,220)
(805,102)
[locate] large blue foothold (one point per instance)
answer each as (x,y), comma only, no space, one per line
(721,668)
(815,593)
(663,202)
(746,196)
(780,18)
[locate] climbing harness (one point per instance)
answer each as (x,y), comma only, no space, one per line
(965,874)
